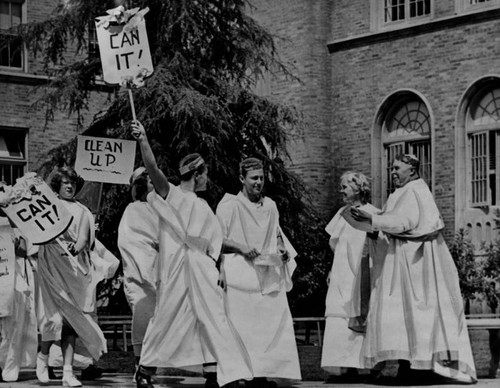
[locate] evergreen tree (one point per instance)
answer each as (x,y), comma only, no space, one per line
(207,56)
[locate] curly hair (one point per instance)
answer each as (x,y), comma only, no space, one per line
(358,182)
(69,174)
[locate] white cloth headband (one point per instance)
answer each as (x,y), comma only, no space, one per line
(191,165)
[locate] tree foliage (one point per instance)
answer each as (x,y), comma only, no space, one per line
(207,56)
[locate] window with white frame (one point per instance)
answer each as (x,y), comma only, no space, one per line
(403,10)
(93,43)
(481,2)
(11,45)
(483,133)
(407,129)
(13,159)
(475,5)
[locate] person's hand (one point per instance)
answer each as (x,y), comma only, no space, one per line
(361,215)
(251,255)
(72,249)
(138,131)
(20,247)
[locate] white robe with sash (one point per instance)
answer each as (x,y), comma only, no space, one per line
(67,287)
(256,297)
(416,310)
(341,345)
(190,326)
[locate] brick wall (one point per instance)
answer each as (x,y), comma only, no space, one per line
(439,65)
(341,92)
(17,110)
(302,29)
(20,93)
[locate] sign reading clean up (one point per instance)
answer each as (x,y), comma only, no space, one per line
(108,160)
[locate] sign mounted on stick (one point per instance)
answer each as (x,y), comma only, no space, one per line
(108,160)
(34,208)
(124,46)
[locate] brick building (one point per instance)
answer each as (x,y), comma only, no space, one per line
(384,76)
(24,136)
(376,78)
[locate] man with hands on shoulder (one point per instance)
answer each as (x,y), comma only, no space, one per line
(416,312)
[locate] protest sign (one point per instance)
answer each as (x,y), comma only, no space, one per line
(100,159)
(35,209)
(123,45)
(7,268)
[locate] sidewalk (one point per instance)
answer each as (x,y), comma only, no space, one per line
(121,380)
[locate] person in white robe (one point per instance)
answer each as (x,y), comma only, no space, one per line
(189,326)
(18,326)
(138,244)
(256,269)
(416,312)
(103,266)
(348,283)
(67,281)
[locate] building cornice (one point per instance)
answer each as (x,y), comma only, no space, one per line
(22,78)
(409,31)
(36,80)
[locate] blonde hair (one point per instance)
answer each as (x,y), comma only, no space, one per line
(359,182)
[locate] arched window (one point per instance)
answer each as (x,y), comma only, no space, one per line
(483,146)
(406,129)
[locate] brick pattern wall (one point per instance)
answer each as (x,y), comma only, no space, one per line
(17,99)
(341,92)
(16,110)
(439,65)
(302,29)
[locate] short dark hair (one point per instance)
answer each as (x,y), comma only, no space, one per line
(68,173)
(189,159)
(250,164)
(140,186)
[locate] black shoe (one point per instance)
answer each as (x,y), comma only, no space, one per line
(211,380)
(143,378)
(234,384)
(52,374)
(260,382)
(89,373)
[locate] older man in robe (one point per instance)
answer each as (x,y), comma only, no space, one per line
(416,310)
(258,264)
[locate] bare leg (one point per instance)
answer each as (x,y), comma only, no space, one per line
(68,349)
